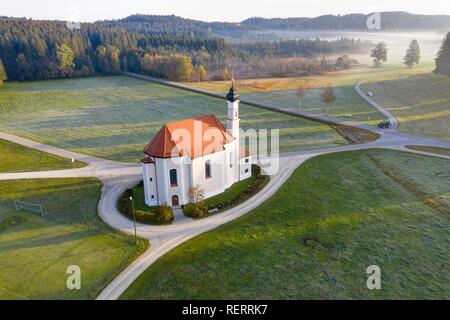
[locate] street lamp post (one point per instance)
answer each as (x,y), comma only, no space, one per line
(134,221)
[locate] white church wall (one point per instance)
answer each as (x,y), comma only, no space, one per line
(229,168)
(162,180)
(245,168)
(216,183)
(150,192)
(180,190)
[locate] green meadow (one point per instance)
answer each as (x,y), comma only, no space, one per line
(348,104)
(35,250)
(314,239)
(17,158)
(115,117)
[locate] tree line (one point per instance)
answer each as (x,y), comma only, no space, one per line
(37,50)
(302,47)
(389,21)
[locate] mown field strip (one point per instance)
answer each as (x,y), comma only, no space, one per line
(115,117)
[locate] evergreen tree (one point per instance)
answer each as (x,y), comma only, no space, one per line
(412,54)
(379,54)
(443,57)
(3,75)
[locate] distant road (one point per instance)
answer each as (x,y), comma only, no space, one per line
(373,103)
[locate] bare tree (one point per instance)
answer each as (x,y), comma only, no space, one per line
(300,94)
(328,97)
(196,194)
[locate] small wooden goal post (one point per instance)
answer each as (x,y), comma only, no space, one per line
(29,206)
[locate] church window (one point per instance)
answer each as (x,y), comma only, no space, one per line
(173,178)
(208,169)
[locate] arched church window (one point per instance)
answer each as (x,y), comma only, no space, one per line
(208,169)
(173,177)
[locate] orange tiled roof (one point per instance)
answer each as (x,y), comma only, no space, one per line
(147,160)
(195,137)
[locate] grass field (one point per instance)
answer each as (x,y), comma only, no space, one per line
(283,91)
(421,103)
(17,158)
(115,117)
(337,215)
(36,251)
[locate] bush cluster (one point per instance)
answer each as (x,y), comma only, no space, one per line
(195,210)
(156,215)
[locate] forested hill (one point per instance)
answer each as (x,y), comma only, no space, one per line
(172,24)
(389,21)
(155,24)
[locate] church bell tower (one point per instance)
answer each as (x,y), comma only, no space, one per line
(233,130)
(233,112)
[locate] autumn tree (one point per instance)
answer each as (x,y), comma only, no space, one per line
(179,67)
(107,60)
(114,59)
(443,57)
(65,60)
(201,73)
(412,54)
(3,75)
(329,97)
(196,194)
(379,54)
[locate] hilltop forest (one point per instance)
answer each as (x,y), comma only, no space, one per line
(170,47)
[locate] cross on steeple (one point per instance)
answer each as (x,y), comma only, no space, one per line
(232,95)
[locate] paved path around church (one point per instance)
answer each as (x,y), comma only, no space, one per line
(118,176)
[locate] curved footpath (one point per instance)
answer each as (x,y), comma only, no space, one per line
(373,103)
(118,176)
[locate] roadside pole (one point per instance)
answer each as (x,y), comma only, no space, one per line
(134,220)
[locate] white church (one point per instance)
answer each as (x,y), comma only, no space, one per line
(195,152)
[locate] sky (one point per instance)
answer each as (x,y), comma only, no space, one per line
(210,10)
